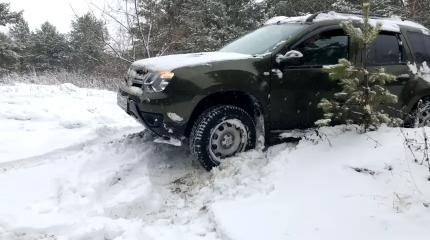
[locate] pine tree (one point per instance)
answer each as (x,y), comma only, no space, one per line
(418,10)
(7,16)
(49,49)
(9,57)
(226,20)
(87,43)
(179,26)
(363,93)
(297,7)
(388,7)
(349,6)
(21,35)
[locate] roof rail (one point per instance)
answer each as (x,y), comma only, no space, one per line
(312,17)
(374,16)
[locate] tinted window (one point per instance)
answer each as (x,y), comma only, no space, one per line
(420,46)
(324,49)
(386,50)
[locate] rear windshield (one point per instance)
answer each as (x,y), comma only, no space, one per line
(420,46)
(264,40)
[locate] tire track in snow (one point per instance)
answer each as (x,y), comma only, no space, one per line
(182,188)
(60,152)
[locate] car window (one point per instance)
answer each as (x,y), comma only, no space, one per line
(420,46)
(325,48)
(386,50)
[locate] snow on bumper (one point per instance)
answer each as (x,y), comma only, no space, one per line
(152,114)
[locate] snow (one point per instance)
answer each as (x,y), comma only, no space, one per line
(111,181)
(313,192)
(387,24)
(278,73)
(283,19)
(421,71)
(296,133)
(172,62)
(53,117)
(175,117)
(171,141)
(135,91)
(391,24)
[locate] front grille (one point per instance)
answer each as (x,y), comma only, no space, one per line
(142,71)
(138,77)
(137,83)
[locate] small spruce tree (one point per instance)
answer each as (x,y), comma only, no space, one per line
(363,93)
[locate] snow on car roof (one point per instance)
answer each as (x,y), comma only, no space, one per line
(391,24)
(283,19)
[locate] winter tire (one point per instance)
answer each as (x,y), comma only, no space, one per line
(221,132)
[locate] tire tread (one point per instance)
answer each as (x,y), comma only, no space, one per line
(200,127)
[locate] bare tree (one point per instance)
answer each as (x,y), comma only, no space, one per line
(127,16)
(145,39)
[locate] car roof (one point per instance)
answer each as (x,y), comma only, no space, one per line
(391,24)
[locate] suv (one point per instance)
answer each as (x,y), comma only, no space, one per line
(267,81)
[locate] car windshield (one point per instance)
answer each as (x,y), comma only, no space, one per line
(263,40)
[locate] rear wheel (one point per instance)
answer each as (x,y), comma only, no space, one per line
(221,132)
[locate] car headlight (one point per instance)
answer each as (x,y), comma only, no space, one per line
(157,81)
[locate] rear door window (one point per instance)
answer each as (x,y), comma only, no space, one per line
(386,50)
(420,46)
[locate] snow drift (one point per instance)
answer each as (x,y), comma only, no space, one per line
(73,166)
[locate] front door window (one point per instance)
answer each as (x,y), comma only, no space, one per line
(325,48)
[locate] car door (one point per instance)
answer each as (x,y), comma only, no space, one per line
(388,52)
(296,89)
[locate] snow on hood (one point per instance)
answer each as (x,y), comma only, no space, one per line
(391,24)
(172,62)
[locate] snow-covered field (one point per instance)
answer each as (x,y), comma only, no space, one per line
(74,166)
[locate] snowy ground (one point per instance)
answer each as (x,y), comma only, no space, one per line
(74,166)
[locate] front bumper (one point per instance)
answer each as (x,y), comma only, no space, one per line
(152,114)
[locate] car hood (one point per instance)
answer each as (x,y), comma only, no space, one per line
(172,62)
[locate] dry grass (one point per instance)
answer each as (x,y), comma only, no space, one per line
(53,78)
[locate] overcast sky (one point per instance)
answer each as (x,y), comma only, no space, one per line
(57,12)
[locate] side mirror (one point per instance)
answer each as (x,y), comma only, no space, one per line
(290,58)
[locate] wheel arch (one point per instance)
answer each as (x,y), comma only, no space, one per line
(240,99)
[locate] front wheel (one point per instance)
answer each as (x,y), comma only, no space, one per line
(221,132)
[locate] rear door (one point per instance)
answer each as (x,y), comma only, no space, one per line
(389,52)
(420,45)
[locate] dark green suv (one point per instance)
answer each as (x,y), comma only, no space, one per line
(267,81)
